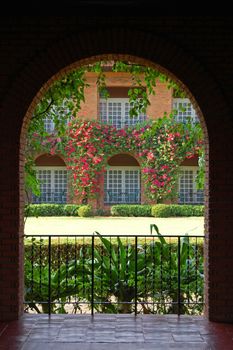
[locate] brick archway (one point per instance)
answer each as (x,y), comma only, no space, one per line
(27,88)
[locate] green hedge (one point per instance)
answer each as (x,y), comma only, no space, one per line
(75,246)
(168,210)
(52,210)
(131,210)
(146,210)
(85,211)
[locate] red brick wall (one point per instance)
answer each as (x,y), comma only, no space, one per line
(197,51)
(119,83)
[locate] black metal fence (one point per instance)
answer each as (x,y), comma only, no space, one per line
(114,274)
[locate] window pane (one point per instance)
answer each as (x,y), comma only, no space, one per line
(184,110)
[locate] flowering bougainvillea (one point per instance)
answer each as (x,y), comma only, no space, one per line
(167,145)
(159,146)
(89,146)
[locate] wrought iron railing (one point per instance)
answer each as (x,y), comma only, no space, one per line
(58,197)
(191,197)
(122,197)
(114,274)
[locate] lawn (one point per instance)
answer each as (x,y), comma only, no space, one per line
(113,225)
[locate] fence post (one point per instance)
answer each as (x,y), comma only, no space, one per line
(136,277)
(178,262)
(92,274)
(49,277)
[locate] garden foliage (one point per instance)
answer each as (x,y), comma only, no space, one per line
(125,275)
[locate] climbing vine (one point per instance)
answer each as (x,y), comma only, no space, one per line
(160,146)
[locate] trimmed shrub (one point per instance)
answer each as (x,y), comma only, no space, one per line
(131,210)
(161,210)
(169,210)
(71,209)
(85,211)
(102,212)
(137,210)
(51,210)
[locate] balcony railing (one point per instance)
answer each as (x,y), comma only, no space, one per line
(114,274)
(50,197)
(191,197)
(122,197)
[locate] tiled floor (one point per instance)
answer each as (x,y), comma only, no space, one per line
(114,332)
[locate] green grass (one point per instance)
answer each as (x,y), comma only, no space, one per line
(113,225)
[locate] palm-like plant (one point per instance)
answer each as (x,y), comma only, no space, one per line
(116,276)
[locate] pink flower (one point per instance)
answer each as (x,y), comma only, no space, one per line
(72,149)
(85,166)
(146,170)
(150,156)
(156,182)
(96,160)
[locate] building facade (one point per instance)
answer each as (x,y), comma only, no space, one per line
(122,182)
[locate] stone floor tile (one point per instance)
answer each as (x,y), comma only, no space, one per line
(185,338)
(193,346)
(57,346)
(115,332)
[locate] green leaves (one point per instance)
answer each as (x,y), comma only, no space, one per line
(122,271)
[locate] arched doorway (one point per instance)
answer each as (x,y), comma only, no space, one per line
(151,49)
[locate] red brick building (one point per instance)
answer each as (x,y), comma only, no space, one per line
(122,181)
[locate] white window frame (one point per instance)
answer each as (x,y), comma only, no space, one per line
(182,116)
(125,119)
(49,124)
(190,195)
(123,191)
(51,197)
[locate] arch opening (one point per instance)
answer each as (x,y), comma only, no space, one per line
(92,60)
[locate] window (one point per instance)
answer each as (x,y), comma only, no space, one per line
(184,110)
(188,192)
(115,111)
(122,185)
(48,124)
(58,112)
(53,185)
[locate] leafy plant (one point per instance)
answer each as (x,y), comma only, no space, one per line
(152,274)
(55,283)
(115,275)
